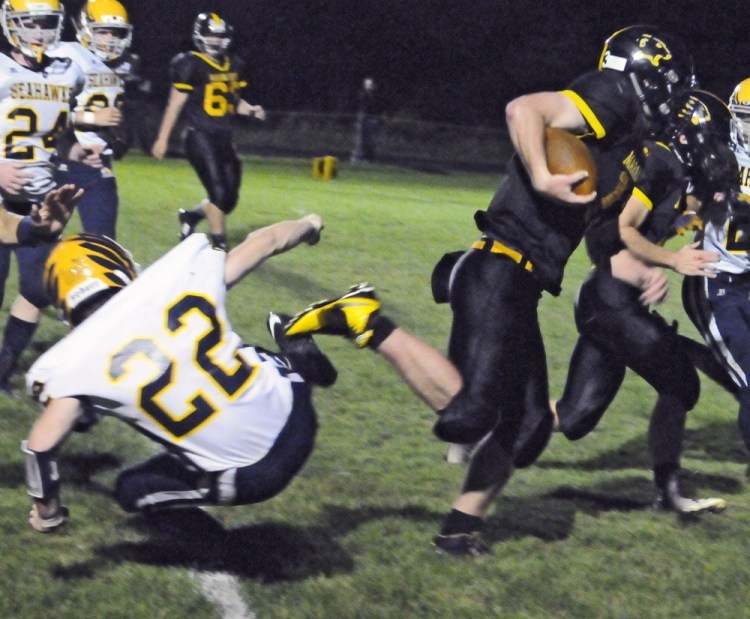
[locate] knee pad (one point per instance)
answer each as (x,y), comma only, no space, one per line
(578,423)
(532,438)
(224,198)
(33,292)
(126,491)
(465,420)
(685,386)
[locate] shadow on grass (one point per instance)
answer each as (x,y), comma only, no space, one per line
(75,470)
(716,442)
(193,539)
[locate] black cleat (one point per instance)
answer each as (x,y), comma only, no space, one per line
(188,221)
(459,544)
(303,353)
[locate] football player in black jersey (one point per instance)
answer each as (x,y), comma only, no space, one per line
(616,328)
(207,83)
(495,390)
(529,231)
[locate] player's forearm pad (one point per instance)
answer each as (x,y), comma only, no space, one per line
(42,476)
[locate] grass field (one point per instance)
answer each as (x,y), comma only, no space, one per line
(573,536)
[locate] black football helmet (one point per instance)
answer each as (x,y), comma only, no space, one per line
(699,136)
(700,120)
(658,64)
(211,34)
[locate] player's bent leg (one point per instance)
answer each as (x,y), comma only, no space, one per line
(161,482)
(270,475)
(594,378)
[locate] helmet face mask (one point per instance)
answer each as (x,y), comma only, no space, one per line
(104,28)
(739,105)
(658,67)
(85,268)
(32,27)
(212,35)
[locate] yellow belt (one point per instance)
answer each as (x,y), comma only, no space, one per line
(496,247)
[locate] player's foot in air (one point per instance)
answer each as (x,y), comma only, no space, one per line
(460,544)
(303,354)
(188,222)
(351,315)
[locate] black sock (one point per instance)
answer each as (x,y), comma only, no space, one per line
(218,241)
(382,327)
(459,522)
(663,473)
(16,338)
(18,334)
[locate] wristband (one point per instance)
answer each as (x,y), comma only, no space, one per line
(88,118)
(42,475)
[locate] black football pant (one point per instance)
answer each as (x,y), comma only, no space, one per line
(617,331)
(214,159)
(496,344)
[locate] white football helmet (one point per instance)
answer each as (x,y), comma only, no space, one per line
(104,28)
(32,26)
(739,105)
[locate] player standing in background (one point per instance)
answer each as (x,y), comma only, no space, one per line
(105,34)
(207,83)
(739,105)
(37,99)
(236,422)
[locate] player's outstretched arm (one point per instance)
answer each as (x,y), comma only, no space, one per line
(269,241)
(40,455)
(688,260)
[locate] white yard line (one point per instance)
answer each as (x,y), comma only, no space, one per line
(223,591)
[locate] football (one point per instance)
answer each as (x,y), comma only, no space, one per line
(567,154)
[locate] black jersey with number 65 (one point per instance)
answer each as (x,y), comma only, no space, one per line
(213,86)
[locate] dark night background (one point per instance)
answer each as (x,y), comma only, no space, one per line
(451,61)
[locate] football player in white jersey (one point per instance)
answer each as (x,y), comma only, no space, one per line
(104,34)
(739,105)
(237,422)
(37,100)
(720,308)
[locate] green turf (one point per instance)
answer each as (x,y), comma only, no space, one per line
(572,536)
